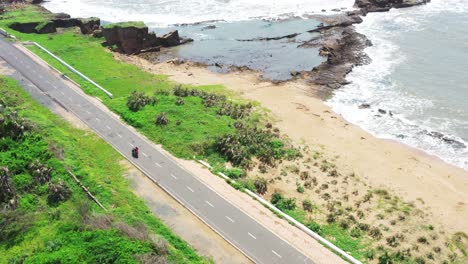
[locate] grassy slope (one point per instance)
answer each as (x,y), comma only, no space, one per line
(93,161)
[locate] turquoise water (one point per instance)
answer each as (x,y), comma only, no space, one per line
(420,73)
(274,59)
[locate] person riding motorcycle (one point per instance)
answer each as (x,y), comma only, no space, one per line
(135,152)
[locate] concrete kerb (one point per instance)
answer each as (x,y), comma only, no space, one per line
(71,68)
(296,223)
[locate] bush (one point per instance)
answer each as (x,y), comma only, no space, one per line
(137,100)
(375,233)
(179,101)
(58,192)
(313,226)
(283,203)
(307,205)
(161,119)
(300,188)
(261,185)
(234,173)
(6,189)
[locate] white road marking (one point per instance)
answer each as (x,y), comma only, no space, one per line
(53,86)
(173,176)
(190,189)
(209,204)
(62,92)
(40,77)
(131,144)
(119,135)
(278,255)
(157,164)
(108,127)
(251,235)
(97,119)
(88,112)
(69,99)
(230,219)
(144,154)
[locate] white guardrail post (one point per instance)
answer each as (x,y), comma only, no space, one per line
(292,220)
(73,69)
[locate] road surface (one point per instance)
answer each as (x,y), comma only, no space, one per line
(253,239)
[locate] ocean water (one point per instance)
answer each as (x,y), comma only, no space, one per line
(160,13)
(419,69)
(419,72)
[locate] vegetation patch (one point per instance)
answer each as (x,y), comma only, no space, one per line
(45,217)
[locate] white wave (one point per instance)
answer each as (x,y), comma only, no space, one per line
(166,12)
(374,84)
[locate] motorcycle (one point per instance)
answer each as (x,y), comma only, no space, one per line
(135,152)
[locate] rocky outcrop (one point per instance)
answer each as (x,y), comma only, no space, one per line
(133,39)
(385,5)
(60,20)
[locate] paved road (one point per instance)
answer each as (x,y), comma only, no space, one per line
(257,242)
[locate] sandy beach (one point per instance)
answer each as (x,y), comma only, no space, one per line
(439,188)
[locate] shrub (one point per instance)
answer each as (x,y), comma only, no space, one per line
(304,175)
(283,203)
(313,226)
(307,205)
(40,172)
(137,100)
(420,260)
(58,192)
(300,188)
(261,185)
(179,101)
(234,173)
(375,233)
(355,232)
(6,189)
(423,240)
(394,240)
(161,119)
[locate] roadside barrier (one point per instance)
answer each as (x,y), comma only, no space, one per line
(296,223)
(71,68)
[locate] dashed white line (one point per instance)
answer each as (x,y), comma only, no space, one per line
(157,164)
(144,154)
(120,136)
(252,236)
(209,204)
(69,99)
(97,119)
(173,176)
(230,219)
(190,189)
(108,127)
(88,112)
(278,255)
(64,94)
(131,144)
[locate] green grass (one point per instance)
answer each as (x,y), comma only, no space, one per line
(137,24)
(27,14)
(58,231)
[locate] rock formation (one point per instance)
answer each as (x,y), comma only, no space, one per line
(61,20)
(385,5)
(133,38)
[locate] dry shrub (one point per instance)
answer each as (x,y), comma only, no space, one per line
(160,245)
(152,258)
(100,221)
(140,232)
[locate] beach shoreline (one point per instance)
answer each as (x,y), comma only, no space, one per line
(416,176)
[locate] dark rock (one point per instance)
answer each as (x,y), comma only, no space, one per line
(89,25)
(151,49)
(382,111)
(295,73)
(385,5)
(208,27)
(98,33)
(170,39)
(364,106)
(66,22)
(61,15)
(271,38)
(46,28)
(28,27)
(185,40)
